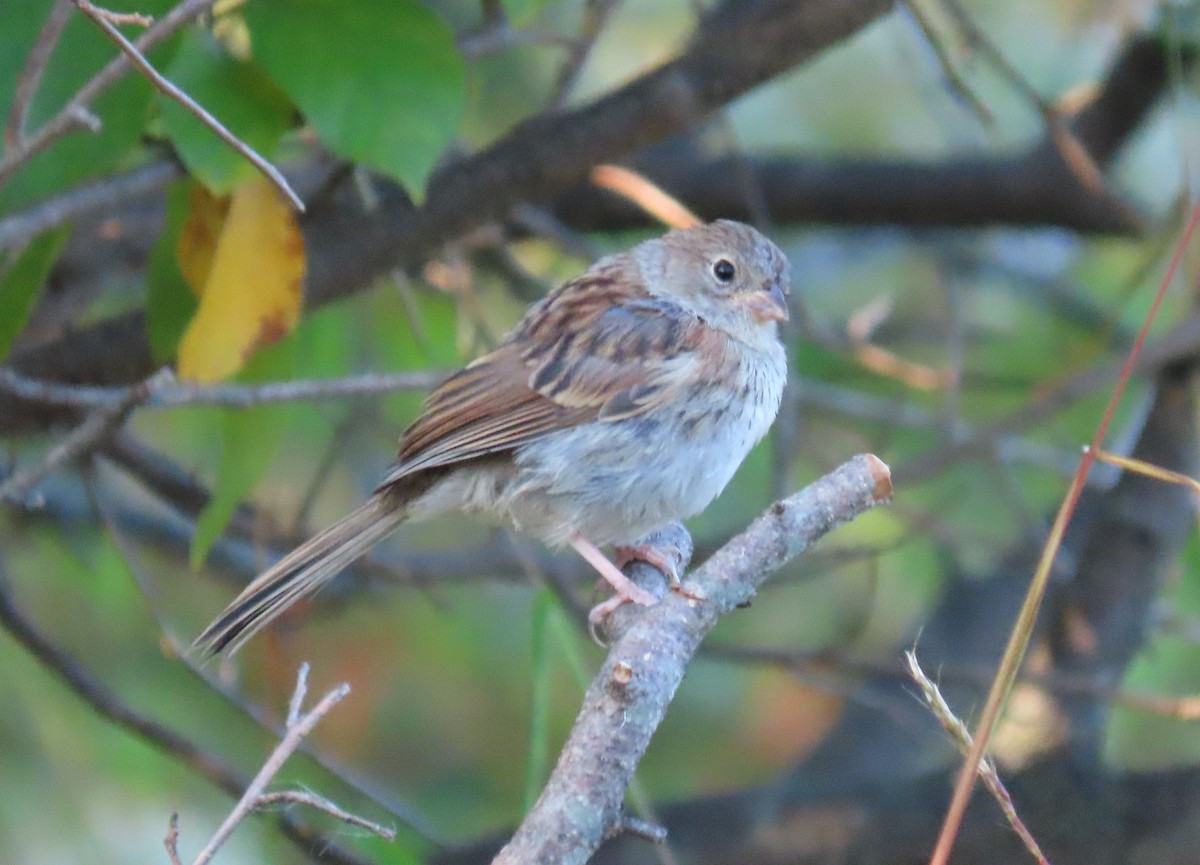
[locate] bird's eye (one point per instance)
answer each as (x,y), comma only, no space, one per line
(724,270)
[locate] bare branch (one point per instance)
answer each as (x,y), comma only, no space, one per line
(1073,151)
(320,803)
(596,14)
(104,21)
(68,118)
(170,393)
(962,738)
(1181,342)
(809,665)
(110,518)
(296,703)
(119,18)
(298,727)
(31,75)
(954,80)
(98,426)
(581,803)
(171,842)
(652,832)
(20,227)
(501,37)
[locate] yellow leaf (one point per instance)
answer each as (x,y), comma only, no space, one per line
(199,235)
(251,292)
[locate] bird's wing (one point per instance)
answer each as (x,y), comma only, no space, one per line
(586,352)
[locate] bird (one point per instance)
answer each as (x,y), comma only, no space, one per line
(624,399)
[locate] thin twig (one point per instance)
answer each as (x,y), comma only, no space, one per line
(75,113)
(862,324)
(502,37)
(174,394)
(320,803)
(299,727)
(953,78)
(17,229)
(119,18)
(1148,469)
(99,425)
(1073,151)
(105,703)
(101,17)
(640,828)
(333,451)
(541,222)
(31,75)
(595,15)
(171,842)
(987,770)
(297,702)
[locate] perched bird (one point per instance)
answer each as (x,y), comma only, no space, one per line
(623,400)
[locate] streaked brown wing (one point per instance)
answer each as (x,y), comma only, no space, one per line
(586,352)
(483,409)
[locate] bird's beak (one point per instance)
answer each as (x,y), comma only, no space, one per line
(768,303)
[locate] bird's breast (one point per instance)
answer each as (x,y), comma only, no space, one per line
(616,481)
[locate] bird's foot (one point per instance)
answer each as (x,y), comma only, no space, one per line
(625,590)
(666,563)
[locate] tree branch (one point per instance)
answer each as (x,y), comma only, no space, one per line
(103,421)
(68,118)
(175,394)
(102,19)
(581,803)
(738,46)
(351,248)
(98,195)
(31,75)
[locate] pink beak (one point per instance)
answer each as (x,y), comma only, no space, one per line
(769,304)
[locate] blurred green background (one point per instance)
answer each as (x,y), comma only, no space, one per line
(464,686)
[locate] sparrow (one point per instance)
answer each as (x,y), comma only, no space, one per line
(624,399)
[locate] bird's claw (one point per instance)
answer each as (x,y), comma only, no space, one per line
(628,594)
(664,562)
(651,556)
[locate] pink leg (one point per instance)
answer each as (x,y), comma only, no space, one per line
(651,555)
(626,590)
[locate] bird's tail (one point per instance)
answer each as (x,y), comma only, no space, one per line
(302,572)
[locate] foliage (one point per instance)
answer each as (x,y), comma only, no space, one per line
(467,678)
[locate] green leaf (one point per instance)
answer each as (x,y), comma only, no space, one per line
(21,282)
(239,94)
(82,51)
(382,83)
(1168,664)
(249,440)
(170,303)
